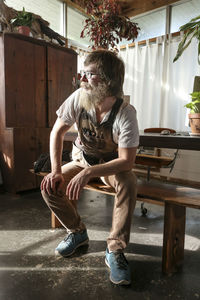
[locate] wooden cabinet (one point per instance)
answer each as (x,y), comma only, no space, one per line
(35,78)
(60,73)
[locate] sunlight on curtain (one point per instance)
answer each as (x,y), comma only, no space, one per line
(178,84)
(143,81)
(159,88)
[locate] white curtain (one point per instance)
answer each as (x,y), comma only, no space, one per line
(159,88)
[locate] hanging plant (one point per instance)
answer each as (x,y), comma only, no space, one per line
(106,27)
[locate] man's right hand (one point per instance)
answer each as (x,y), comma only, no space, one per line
(52,183)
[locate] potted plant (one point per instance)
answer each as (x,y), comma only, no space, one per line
(106,27)
(194,115)
(23,22)
(191,30)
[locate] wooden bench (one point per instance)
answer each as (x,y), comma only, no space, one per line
(175,199)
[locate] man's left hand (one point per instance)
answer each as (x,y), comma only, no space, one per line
(76,185)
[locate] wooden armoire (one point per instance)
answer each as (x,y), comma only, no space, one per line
(35,78)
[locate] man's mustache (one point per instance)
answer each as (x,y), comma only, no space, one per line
(86,85)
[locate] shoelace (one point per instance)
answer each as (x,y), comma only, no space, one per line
(69,238)
(121,261)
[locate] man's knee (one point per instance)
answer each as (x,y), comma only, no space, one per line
(52,198)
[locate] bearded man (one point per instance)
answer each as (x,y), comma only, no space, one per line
(105,148)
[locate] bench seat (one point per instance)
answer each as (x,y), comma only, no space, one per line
(176,199)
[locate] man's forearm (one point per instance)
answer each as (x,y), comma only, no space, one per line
(112,167)
(56,144)
(56,147)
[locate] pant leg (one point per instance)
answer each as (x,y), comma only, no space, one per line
(63,208)
(124,184)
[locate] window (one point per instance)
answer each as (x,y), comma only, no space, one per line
(151,25)
(183,13)
(49,10)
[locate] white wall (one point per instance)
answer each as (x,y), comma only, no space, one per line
(50,10)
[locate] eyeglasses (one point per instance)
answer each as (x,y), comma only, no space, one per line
(88,74)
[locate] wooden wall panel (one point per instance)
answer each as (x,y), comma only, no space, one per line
(24,156)
(132,8)
(129,8)
(62,65)
(25,96)
(7,158)
(2,85)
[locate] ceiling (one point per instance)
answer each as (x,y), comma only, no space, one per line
(130,8)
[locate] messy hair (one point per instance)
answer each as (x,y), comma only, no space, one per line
(111,69)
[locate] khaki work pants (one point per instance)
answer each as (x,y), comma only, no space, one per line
(124,184)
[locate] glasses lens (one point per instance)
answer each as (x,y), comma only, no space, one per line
(86,74)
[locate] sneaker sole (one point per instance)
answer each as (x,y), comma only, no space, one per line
(57,253)
(121,282)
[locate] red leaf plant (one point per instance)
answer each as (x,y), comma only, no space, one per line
(106,27)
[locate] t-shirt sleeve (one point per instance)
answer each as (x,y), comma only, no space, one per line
(68,111)
(128,128)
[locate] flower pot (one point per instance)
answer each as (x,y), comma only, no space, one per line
(25,30)
(195,123)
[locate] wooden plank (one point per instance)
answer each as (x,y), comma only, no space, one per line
(173,238)
(129,8)
(25,96)
(170,141)
(24,148)
(55,223)
(137,7)
(2,86)
(59,79)
(100,187)
(172,193)
(155,190)
(152,160)
(7,158)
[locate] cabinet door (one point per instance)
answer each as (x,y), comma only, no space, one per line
(7,158)
(62,65)
(25,83)
(30,143)
(24,157)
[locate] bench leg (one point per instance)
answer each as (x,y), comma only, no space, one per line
(173,238)
(55,223)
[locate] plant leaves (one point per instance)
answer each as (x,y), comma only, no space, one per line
(184,43)
(107,27)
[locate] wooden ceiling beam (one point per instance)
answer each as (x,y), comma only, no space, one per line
(131,8)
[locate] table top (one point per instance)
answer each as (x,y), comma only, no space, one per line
(180,140)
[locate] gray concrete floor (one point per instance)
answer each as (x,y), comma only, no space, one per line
(29,270)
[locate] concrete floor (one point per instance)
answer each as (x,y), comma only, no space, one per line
(29,270)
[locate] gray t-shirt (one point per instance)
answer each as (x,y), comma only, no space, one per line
(125,126)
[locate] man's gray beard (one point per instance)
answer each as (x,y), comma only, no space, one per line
(96,95)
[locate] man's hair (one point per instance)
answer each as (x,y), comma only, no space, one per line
(111,69)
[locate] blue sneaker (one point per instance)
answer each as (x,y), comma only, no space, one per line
(119,268)
(71,242)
